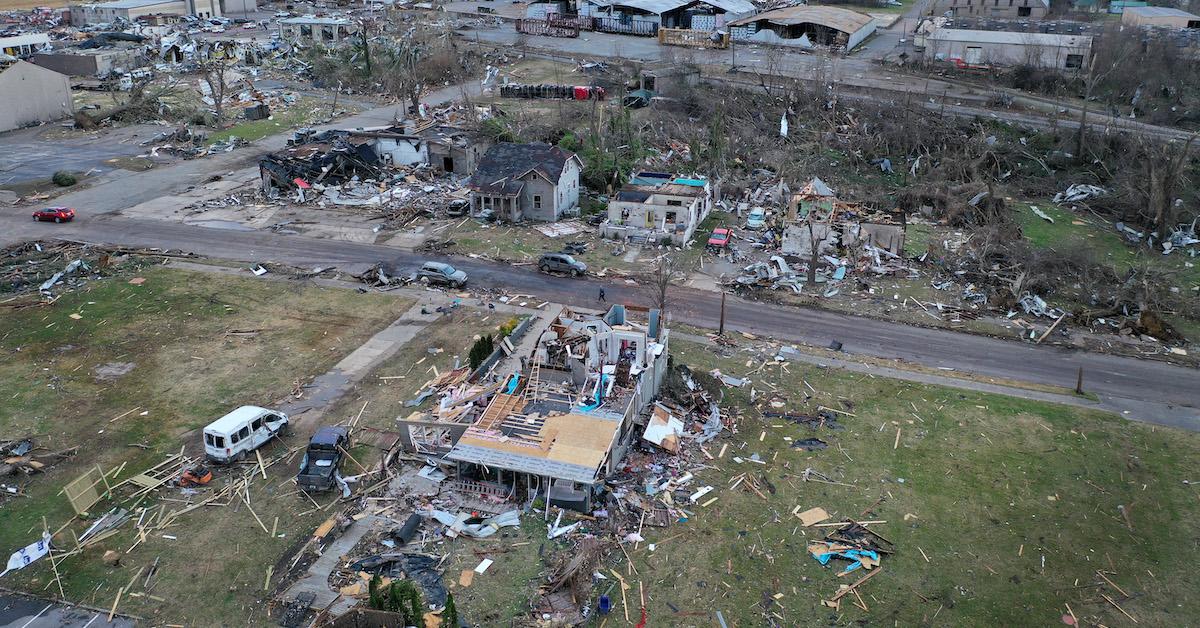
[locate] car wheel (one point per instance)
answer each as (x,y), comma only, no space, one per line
(57,219)
(575,272)
(35,218)
(456,285)
(424,280)
(544,268)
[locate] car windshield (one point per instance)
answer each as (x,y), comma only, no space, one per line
(449,270)
(568,259)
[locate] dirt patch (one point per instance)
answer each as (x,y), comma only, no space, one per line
(113,370)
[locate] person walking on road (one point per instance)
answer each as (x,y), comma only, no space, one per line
(601,298)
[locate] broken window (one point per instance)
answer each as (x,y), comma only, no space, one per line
(537,201)
(216,441)
(306,31)
(675,203)
(1024,11)
(243,433)
(234,438)
(671,216)
(257,424)
(1074,62)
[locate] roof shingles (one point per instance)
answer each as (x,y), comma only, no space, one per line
(504,164)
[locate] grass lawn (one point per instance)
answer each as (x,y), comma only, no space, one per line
(299,113)
(183,371)
(1002,509)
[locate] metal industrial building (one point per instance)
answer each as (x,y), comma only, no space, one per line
(806,27)
(30,94)
(998,43)
(1164,17)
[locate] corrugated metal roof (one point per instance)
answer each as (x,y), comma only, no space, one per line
(1003,37)
(1161,12)
(843,20)
(331,21)
(130,4)
(28,39)
(658,7)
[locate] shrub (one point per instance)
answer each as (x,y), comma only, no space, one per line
(507,328)
(480,351)
(62,178)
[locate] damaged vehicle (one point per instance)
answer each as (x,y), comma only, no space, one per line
(322,459)
(438,273)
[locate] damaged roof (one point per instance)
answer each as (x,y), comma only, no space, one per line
(843,20)
(506,163)
(573,447)
(658,7)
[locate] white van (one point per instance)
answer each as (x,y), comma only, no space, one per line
(240,432)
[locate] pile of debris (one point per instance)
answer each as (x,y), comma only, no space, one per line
(49,269)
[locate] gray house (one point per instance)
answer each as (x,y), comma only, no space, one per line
(526,182)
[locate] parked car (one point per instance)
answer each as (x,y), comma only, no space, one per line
(54,214)
(757,218)
(719,238)
(561,263)
(237,434)
(251,26)
(441,274)
(322,459)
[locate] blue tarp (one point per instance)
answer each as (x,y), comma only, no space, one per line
(852,555)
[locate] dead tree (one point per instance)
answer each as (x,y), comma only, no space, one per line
(667,273)
(213,75)
(1158,177)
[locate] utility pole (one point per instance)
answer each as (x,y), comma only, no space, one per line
(1079,382)
(721,329)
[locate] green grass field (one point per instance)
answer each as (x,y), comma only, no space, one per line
(1002,509)
(184,370)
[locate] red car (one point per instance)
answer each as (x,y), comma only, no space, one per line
(719,238)
(54,214)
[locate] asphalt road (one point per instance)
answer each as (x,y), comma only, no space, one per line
(1143,390)
(27,157)
(20,611)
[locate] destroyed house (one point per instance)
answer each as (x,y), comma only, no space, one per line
(320,158)
(308,29)
(563,423)
(816,218)
(443,146)
(535,181)
(655,207)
